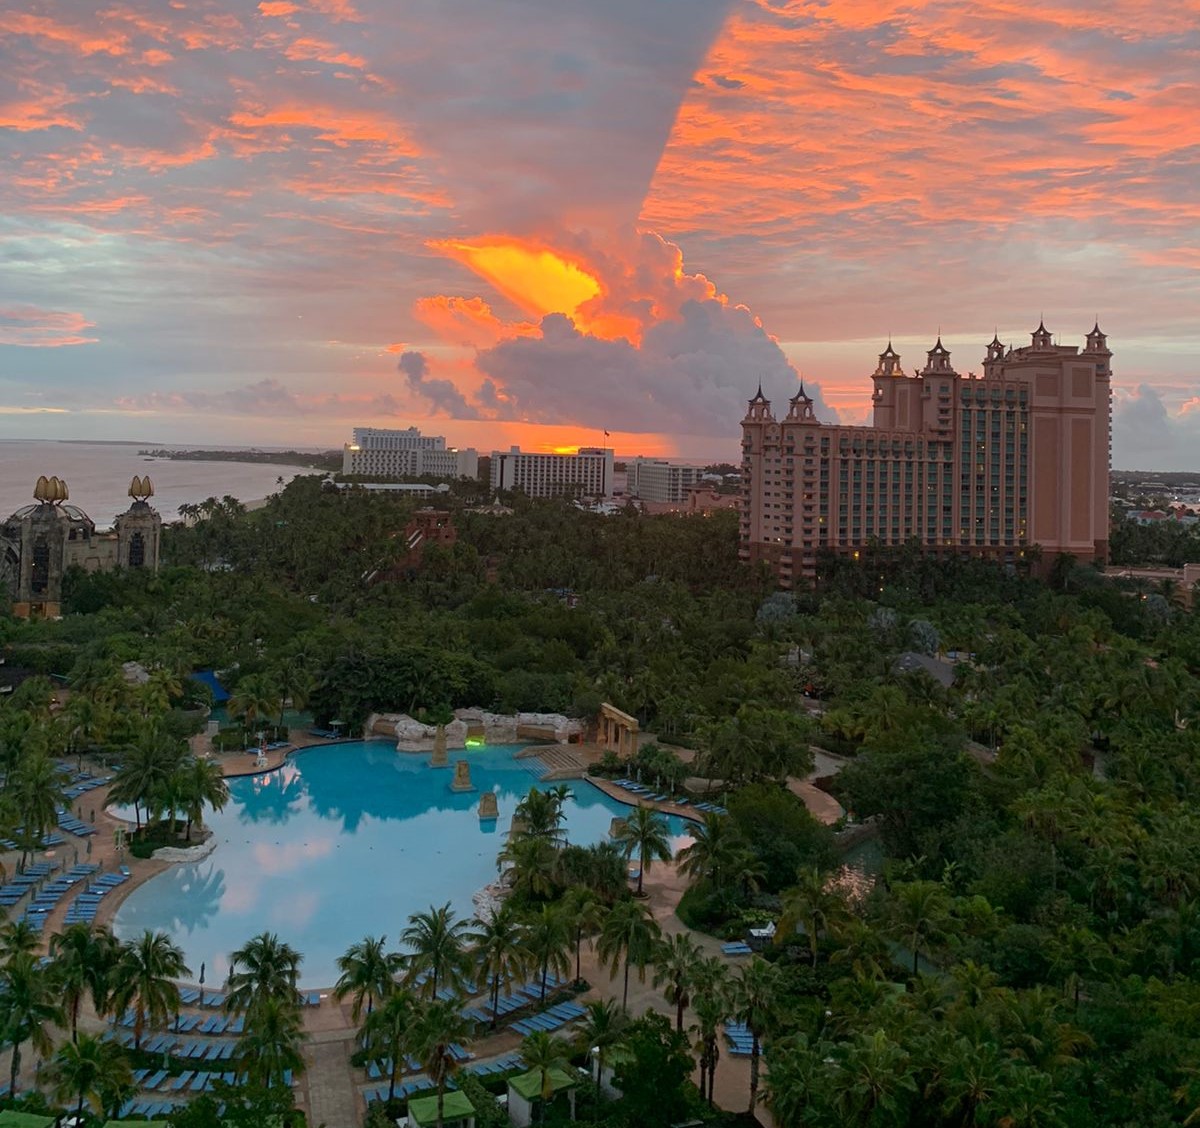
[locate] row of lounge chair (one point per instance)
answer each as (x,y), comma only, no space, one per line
(46,898)
(46,842)
(711,808)
(83,909)
(736,948)
(741,1041)
(550,1019)
(81,782)
(643,792)
(24,882)
(499,1065)
(378,1069)
(197,1023)
(72,825)
(193,1049)
(190,996)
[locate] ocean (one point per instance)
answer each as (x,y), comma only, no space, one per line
(98,476)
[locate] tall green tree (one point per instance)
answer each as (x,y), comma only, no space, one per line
(548,942)
(601,1031)
(28,1006)
(438,955)
(627,939)
(676,961)
(644,832)
(501,954)
(271,1045)
(368,973)
(755,994)
(262,969)
(83,959)
(440,1027)
(85,1070)
(143,980)
(544,1053)
(388,1033)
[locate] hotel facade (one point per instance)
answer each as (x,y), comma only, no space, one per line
(588,473)
(380,452)
(991,465)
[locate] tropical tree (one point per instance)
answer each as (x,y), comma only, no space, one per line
(28,1005)
(143,980)
(368,973)
(543,1053)
(628,937)
(920,912)
(387,1033)
(755,993)
(601,1031)
(498,944)
(37,795)
(535,865)
(540,815)
(548,943)
(584,913)
(715,844)
(812,904)
(199,784)
(440,1026)
(675,963)
(438,955)
(82,960)
(271,1045)
(644,832)
(86,1070)
(263,968)
(254,697)
(147,764)
(18,937)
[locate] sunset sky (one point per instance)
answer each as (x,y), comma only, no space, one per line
(534,220)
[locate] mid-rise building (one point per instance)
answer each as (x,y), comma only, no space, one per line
(990,464)
(378,452)
(657,480)
(587,473)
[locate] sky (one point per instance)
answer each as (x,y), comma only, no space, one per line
(535,221)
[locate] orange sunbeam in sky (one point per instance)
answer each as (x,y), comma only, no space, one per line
(540,281)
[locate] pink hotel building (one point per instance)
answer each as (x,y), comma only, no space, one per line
(989,464)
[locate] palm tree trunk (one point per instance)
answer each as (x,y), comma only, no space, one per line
(392,1076)
(545,972)
(916,953)
(79,1107)
(679,1011)
(625,992)
(16,1066)
(441,1101)
(75,1018)
(641,871)
(578,955)
(753,1073)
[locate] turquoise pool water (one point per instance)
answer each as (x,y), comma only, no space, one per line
(341,842)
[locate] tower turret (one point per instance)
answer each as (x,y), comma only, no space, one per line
(937,362)
(758,408)
(889,363)
(800,407)
(1042,338)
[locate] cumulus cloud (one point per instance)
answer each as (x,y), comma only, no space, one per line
(442,394)
(1148,435)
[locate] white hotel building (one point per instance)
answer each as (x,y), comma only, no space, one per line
(656,479)
(588,473)
(378,452)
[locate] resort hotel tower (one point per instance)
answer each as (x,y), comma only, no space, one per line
(990,465)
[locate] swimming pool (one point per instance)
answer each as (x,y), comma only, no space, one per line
(341,842)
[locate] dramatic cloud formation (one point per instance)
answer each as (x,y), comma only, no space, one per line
(266,204)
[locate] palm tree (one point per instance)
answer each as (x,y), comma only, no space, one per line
(146,766)
(545,1054)
(368,973)
(27,1006)
(755,997)
(540,815)
(81,962)
(438,950)
(548,943)
(263,968)
(87,1069)
(584,913)
(602,1030)
(675,964)
(535,864)
(388,1031)
(253,697)
(644,832)
(37,796)
(18,937)
(711,1009)
(440,1026)
(293,679)
(629,934)
(712,849)
(499,947)
(200,784)
(812,904)
(272,1044)
(920,911)
(143,979)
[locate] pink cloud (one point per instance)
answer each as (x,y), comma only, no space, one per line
(29,327)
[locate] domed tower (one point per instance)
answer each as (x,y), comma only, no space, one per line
(800,407)
(937,361)
(35,554)
(994,361)
(139,528)
(1042,337)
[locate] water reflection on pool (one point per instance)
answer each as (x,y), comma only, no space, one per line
(343,841)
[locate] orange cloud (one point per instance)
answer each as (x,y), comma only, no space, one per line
(33,328)
(466,321)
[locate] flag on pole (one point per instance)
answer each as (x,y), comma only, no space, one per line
(606,434)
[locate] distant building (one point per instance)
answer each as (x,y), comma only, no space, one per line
(377,452)
(989,465)
(588,473)
(41,541)
(656,479)
(427,526)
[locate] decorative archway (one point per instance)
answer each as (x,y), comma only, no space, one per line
(617,730)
